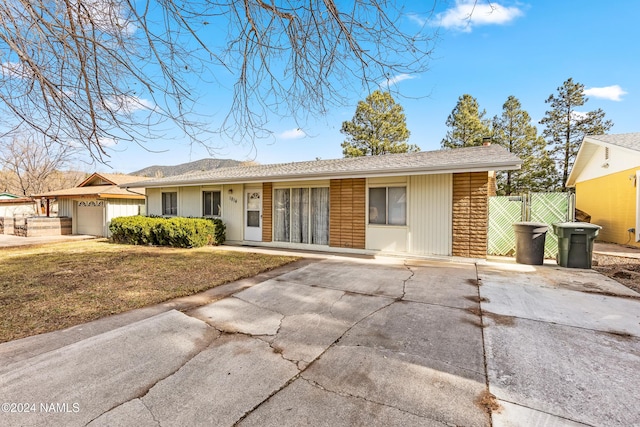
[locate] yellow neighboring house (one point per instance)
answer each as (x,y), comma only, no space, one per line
(606,177)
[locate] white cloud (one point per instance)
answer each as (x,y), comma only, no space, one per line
(467,14)
(612,93)
(397,79)
(127,104)
(108,16)
(14,69)
(108,142)
(417,19)
(292,134)
(577,116)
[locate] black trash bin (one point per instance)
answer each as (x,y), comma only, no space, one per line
(575,243)
(530,238)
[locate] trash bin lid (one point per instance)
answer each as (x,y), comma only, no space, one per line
(530,227)
(574,225)
(567,229)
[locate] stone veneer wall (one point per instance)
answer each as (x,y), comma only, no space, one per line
(470,214)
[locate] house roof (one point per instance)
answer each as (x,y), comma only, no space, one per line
(472,159)
(4,196)
(109,178)
(629,142)
(15,199)
(100,185)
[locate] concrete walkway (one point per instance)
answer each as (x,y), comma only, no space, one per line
(616,250)
(344,341)
(12,241)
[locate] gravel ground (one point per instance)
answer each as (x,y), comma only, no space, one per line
(621,269)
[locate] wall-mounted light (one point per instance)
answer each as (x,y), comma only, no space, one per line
(230,191)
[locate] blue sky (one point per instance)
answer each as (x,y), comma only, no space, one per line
(523,48)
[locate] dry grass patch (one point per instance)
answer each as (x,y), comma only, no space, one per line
(53,287)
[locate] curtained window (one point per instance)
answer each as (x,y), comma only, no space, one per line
(281,215)
(320,216)
(301,215)
(170,203)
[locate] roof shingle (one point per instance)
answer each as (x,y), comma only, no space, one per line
(630,141)
(492,157)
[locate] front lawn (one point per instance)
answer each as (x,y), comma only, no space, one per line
(53,287)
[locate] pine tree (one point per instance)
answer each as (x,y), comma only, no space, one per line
(566,127)
(378,127)
(514,131)
(466,123)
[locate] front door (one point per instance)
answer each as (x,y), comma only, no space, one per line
(253,215)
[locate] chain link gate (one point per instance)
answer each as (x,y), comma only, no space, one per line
(504,211)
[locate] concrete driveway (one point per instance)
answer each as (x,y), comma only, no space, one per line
(345,341)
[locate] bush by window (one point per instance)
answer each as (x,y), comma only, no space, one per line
(176,232)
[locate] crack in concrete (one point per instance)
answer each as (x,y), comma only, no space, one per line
(250,411)
(345,394)
(267,339)
(619,334)
(258,305)
(333,305)
(298,375)
(151,413)
(326,311)
(548,413)
(484,345)
(435,304)
(463,368)
(404,282)
(277,350)
(201,345)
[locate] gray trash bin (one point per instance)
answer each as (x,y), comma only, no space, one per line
(575,243)
(530,238)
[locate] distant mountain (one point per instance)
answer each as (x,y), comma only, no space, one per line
(196,166)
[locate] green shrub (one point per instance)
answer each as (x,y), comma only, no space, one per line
(176,231)
(220,232)
(132,230)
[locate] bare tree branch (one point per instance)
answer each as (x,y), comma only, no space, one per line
(30,166)
(91,71)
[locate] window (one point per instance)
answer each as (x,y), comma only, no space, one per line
(211,201)
(388,205)
(170,203)
(301,215)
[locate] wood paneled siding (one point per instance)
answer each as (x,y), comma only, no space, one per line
(470,214)
(347,213)
(267,211)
